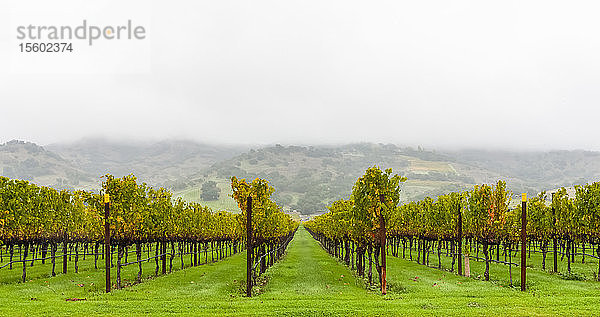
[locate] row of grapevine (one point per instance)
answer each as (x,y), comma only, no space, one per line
(270,229)
(567,222)
(484,213)
(41,219)
(356,227)
(479,219)
(31,214)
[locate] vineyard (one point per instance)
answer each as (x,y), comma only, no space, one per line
(474,238)
(477,224)
(40,224)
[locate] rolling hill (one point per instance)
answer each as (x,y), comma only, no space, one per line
(309,178)
(25,160)
(165,163)
(306,178)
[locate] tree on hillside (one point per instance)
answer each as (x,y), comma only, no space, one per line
(210,191)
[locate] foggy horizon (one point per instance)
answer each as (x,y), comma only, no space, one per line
(426,147)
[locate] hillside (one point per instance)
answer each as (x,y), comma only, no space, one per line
(25,160)
(79,165)
(536,170)
(306,178)
(309,178)
(165,163)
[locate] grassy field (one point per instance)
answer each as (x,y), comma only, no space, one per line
(307,281)
(225,201)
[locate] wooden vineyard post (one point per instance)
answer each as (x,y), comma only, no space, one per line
(554,238)
(249,246)
(65,250)
(382,246)
(523,240)
(460,259)
(107,240)
(164,256)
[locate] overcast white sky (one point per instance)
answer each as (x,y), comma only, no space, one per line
(523,74)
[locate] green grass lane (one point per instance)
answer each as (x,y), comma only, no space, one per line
(308,281)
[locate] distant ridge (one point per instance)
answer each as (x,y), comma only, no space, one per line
(307,178)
